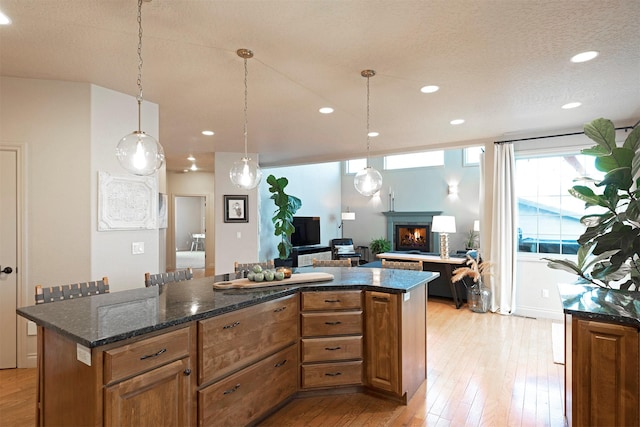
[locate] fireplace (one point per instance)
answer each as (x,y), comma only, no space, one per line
(410,231)
(411,237)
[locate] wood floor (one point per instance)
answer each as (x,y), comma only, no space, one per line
(483,370)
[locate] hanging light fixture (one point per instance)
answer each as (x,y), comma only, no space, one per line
(368,181)
(139,153)
(245,173)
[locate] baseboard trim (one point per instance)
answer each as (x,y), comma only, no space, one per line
(539,313)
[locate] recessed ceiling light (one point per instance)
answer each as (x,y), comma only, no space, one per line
(4,19)
(193,167)
(584,56)
(571,105)
(373,134)
(191,158)
(457,122)
(429,89)
(326,110)
(208,132)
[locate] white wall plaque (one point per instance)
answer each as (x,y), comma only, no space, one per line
(127,202)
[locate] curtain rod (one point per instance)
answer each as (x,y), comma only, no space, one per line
(558,135)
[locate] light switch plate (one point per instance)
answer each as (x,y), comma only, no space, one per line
(83,354)
(137,248)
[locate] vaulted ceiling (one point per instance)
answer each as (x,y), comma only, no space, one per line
(501,65)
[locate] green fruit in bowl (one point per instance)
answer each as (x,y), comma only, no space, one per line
(268,275)
(257,268)
(251,276)
(258,277)
(278,275)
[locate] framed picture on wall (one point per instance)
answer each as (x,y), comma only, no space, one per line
(235,208)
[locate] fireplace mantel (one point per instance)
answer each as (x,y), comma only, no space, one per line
(410,218)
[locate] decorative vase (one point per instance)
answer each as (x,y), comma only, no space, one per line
(478,298)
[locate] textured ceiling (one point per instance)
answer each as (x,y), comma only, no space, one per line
(502,65)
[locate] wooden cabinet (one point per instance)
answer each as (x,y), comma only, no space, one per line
(396,349)
(331,339)
(603,382)
(232,341)
(248,362)
(243,397)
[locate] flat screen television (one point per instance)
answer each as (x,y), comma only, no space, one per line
(307,231)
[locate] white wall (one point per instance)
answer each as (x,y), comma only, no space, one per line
(317,186)
(114,115)
(417,189)
(234,241)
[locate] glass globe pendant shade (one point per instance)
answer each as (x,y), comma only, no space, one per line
(140,153)
(368,181)
(245,174)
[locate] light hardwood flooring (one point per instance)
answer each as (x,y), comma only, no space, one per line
(483,370)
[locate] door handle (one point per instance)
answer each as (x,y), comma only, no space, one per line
(6,270)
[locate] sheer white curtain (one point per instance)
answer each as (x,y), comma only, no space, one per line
(504,230)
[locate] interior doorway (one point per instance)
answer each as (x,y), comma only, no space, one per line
(190,231)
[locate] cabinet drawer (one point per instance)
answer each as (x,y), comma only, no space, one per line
(248,394)
(331,323)
(140,356)
(331,300)
(233,340)
(332,348)
(331,374)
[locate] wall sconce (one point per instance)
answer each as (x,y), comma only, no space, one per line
(453,189)
(444,224)
(345,216)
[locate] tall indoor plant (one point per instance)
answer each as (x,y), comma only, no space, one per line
(287,206)
(610,247)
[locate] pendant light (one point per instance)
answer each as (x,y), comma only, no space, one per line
(368,181)
(139,153)
(245,173)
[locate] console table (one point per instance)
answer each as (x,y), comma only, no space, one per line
(444,266)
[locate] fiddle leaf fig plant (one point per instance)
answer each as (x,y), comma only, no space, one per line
(287,206)
(610,246)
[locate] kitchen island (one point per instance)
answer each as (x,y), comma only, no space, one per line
(602,356)
(186,354)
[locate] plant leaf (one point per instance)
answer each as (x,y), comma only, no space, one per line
(586,195)
(563,264)
(603,132)
(633,140)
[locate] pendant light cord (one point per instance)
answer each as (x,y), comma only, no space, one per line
(368,136)
(246,93)
(139,97)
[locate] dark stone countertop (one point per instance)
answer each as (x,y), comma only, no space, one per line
(108,318)
(595,303)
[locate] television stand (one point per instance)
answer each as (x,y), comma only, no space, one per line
(303,255)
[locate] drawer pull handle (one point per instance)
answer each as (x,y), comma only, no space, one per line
(232,325)
(333,348)
(278,310)
(187,372)
(233,389)
(381,299)
(333,374)
(277,365)
(337,322)
(149,356)
(332,300)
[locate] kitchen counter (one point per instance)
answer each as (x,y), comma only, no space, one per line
(108,318)
(595,303)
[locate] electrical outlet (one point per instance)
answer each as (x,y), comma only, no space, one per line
(239,235)
(545,293)
(137,248)
(83,354)
(32,329)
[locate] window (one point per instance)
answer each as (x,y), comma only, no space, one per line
(355,165)
(472,156)
(548,216)
(414,160)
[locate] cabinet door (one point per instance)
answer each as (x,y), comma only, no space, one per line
(605,374)
(158,397)
(382,332)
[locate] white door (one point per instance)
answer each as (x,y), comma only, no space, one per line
(8,257)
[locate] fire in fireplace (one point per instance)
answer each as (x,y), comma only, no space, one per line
(411,238)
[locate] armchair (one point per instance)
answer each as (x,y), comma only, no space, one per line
(343,248)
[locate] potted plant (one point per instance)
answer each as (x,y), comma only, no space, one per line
(287,206)
(610,246)
(471,241)
(379,245)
